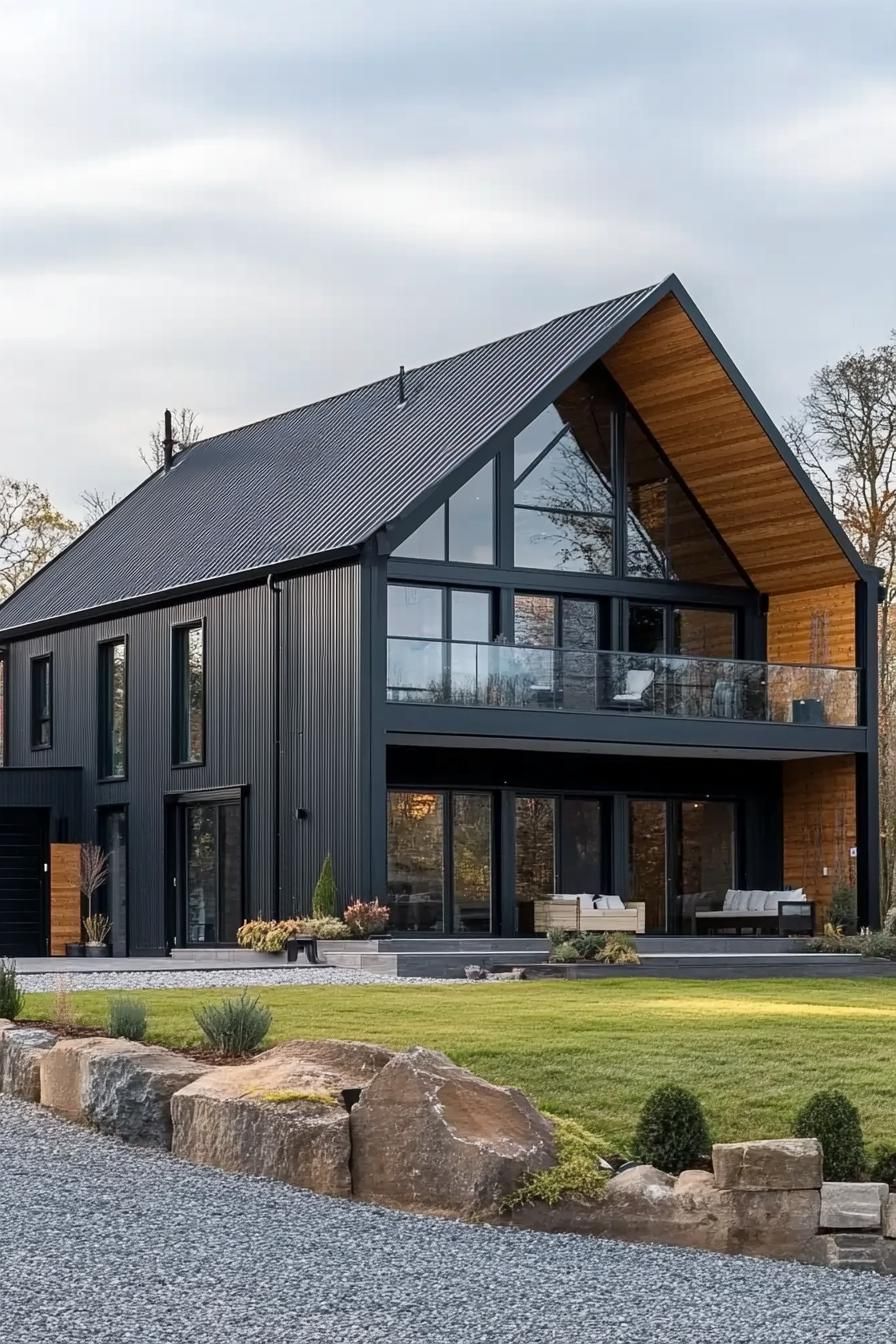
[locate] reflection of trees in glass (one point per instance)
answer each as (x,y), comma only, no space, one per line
(564,499)
(415,841)
(194,691)
(202,872)
(535,864)
(472,847)
(115,708)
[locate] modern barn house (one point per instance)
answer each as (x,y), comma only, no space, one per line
(558,614)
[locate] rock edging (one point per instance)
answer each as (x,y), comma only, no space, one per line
(412,1130)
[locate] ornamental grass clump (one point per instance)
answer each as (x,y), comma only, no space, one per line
(12,996)
(234,1026)
(127,1018)
(831,1118)
(672,1133)
(578,1170)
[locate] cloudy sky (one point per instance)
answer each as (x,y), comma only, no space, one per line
(242,207)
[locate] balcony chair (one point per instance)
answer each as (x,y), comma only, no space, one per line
(637,684)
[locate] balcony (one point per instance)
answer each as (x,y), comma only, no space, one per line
(513,676)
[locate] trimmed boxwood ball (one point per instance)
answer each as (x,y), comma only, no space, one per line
(672,1133)
(831,1118)
(882,1164)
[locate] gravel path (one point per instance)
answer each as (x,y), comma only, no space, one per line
(102,1244)
(36,982)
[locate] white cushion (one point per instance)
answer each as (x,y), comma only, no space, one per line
(612,903)
(771,902)
(730,895)
(586,897)
(756,902)
(741,902)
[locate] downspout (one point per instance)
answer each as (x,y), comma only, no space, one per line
(274,590)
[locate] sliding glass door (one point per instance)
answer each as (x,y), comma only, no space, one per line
(441,861)
(681,853)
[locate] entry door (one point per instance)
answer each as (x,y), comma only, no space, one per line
(441,861)
(23,883)
(211,871)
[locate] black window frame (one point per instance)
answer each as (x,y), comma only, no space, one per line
(445,507)
(4,707)
(180,727)
(104,708)
(39,661)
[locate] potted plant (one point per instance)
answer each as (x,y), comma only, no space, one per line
(366,919)
(97,927)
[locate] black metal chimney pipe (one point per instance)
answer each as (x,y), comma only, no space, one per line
(168,442)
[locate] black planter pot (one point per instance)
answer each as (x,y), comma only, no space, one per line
(74,949)
(97,950)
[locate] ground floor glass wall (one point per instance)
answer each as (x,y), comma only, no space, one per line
(445,860)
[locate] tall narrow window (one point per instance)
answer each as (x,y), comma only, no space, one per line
(188,686)
(3,675)
(42,702)
(113,688)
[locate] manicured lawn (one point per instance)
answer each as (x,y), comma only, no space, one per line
(751,1050)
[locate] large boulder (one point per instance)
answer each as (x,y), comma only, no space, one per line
(768,1164)
(853,1206)
(120,1087)
(284,1115)
(62,1071)
(430,1136)
(128,1092)
(21,1051)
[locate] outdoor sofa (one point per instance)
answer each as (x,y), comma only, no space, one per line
(586,913)
(778,912)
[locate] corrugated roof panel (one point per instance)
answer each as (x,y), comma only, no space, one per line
(309,481)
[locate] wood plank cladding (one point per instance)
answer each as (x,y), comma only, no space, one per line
(819,821)
(813,627)
(723,455)
(65,897)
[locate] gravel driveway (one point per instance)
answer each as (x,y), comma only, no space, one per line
(37,982)
(99,1242)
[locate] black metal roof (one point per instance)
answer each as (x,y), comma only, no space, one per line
(313,481)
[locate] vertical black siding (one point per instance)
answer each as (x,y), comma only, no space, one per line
(324,734)
(59,791)
(238,735)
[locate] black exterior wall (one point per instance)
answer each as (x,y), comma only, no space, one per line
(317,779)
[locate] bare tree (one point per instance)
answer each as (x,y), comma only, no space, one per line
(32,530)
(845,437)
(186,429)
(95,504)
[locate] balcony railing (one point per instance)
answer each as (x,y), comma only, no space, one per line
(513,676)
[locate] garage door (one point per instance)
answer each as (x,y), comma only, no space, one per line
(23,855)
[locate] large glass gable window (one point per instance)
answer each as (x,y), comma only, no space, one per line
(563,494)
(462,530)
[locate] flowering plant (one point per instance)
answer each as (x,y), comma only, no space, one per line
(366,917)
